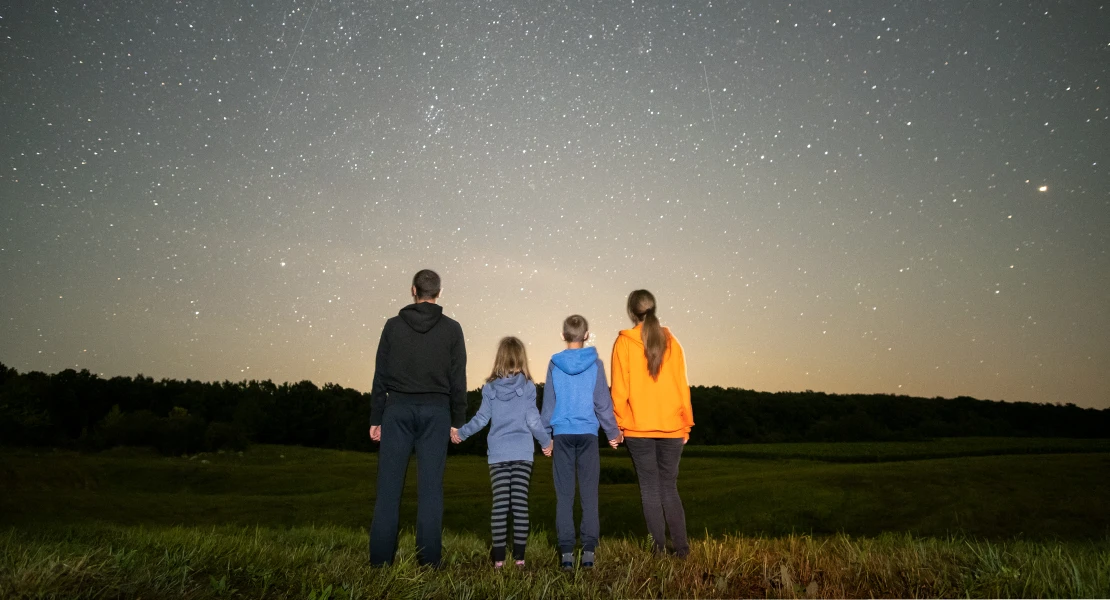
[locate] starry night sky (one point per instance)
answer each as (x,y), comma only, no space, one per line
(852,196)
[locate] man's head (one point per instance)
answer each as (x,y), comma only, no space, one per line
(425,286)
(575,330)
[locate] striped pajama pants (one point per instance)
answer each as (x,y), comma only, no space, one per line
(510,493)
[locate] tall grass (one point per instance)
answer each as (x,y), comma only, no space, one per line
(101,560)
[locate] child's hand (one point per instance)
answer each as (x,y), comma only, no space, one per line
(550,446)
(455,436)
(616,441)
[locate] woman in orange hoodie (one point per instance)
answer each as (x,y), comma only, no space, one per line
(651,401)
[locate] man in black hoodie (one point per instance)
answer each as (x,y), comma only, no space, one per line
(419,393)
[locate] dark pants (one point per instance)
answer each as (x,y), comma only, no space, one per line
(656,461)
(427,428)
(576,453)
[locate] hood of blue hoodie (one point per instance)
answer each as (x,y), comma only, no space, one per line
(509,388)
(574,361)
(421,316)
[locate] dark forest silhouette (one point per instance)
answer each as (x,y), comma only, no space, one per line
(79,409)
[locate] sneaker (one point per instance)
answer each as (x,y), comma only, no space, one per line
(567,562)
(588,559)
(497,564)
(520,564)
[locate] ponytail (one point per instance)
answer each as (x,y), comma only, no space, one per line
(641,309)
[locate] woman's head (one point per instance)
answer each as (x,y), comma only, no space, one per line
(511,359)
(639,303)
(641,309)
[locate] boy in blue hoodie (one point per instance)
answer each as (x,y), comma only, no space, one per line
(576,402)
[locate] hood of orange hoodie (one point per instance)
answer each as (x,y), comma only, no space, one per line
(634,334)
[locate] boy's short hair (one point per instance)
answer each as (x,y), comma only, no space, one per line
(575,328)
(426,283)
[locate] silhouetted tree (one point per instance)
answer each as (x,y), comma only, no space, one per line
(78,408)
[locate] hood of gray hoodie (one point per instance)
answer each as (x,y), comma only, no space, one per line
(509,388)
(575,361)
(421,316)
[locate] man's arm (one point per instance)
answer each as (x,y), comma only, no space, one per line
(378,390)
(458,379)
(603,405)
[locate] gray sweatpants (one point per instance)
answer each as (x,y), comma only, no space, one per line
(656,461)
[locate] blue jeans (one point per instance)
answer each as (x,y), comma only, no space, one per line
(576,454)
(427,428)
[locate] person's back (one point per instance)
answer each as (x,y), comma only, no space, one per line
(573,379)
(576,403)
(662,403)
(651,399)
(419,392)
(418,353)
(509,406)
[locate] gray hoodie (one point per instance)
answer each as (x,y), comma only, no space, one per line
(510,402)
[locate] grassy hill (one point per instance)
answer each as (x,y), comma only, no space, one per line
(768,489)
(978,516)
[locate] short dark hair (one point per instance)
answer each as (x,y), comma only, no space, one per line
(426,282)
(575,328)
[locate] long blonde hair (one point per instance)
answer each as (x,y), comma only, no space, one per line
(641,309)
(511,359)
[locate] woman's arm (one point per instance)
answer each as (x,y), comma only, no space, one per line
(619,388)
(686,410)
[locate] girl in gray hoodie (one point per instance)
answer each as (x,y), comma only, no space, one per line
(509,402)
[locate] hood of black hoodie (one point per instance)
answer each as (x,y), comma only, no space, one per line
(421,316)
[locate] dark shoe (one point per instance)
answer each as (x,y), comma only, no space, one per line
(567,562)
(587,559)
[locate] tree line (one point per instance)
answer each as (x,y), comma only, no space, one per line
(79,409)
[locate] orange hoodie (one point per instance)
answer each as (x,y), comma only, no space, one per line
(646,407)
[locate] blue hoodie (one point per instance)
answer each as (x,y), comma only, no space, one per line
(576,396)
(510,402)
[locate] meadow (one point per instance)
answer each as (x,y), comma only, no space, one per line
(968,516)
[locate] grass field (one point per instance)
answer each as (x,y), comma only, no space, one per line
(979,517)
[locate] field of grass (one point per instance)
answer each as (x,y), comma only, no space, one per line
(978,517)
(1038,496)
(94,561)
(862,452)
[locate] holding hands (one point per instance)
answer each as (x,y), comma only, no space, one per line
(617,440)
(549,448)
(455,439)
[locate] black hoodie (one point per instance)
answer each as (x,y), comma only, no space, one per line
(421,360)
